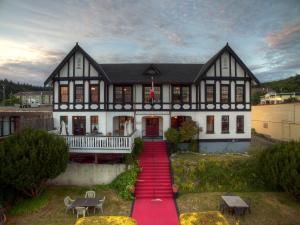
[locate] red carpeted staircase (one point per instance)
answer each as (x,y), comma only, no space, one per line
(154,204)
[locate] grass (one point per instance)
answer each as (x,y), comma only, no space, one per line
(49,209)
(268,208)
(28,206)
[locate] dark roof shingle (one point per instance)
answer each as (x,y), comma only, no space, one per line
(135,73)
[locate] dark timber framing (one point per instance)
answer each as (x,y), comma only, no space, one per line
(194,103)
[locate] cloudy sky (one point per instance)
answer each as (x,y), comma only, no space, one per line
(35,35)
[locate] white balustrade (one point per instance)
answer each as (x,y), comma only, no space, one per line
(101,144)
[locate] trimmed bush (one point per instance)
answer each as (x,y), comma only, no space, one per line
(203,218)
(106,220)
(29,158)
(279,166)
(124,183)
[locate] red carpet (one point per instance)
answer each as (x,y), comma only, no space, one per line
(154,204)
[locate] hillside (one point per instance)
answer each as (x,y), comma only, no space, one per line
(12,88)
(291,84)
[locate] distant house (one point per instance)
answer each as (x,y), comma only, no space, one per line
(35,98)
(272,97)
(13,119)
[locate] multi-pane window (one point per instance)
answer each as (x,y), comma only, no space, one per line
(157,94)
(210,124)
(224,93)
(240,124)
(123,94)
(79,93)
(94,124)
(181,94)
(94,94)
(64,93)
(239,93)
(225,124)
(210,93)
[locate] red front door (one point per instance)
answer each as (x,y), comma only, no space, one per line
(152,127)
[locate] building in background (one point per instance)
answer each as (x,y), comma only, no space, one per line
(13,119)
(272,97)
(35,98)
(278,121)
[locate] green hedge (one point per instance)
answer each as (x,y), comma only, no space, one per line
(279,166)
(216,173)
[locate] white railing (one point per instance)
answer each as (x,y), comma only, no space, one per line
(101,144)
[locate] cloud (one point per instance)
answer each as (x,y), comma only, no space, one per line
(284,36)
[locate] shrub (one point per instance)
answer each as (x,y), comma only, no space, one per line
(106,220)
(138,147)
(279,166)
(173,136)
(188,130)
(29,158)
(125,181)
(203,218)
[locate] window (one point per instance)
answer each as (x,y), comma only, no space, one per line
(240,124)
(79,93)
(123,94)
(176,121)
(225,124)
(239,93)
(64,94)
(157,94)
(224,93)
(94,94)
(181,94)
(94,124)
(210,120)
(210,93)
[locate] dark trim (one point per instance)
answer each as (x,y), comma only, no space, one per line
(226,140)
(83,61)
(89,70)
(215,70)
(68,68)
(74,64)
(220,59)
(235,73)
(230,73)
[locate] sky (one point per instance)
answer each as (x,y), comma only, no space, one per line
(35,35)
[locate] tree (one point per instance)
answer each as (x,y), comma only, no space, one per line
(29,158)
(173,137)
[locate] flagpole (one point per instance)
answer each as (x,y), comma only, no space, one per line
(152,87)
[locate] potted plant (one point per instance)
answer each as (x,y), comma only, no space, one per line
(175,190)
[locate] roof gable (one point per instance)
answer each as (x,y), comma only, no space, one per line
(213,59)
(77,48)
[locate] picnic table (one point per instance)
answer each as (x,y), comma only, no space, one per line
(235,204)
(85,202)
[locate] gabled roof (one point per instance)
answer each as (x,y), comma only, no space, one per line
(212,60)
(66,59)
(167,72)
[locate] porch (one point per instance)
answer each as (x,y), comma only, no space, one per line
(94,144)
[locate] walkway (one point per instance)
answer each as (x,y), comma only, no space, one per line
(154,203)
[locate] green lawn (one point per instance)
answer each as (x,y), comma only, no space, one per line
(51,209)
(268,208)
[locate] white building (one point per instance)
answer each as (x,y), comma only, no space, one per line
(98,101)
